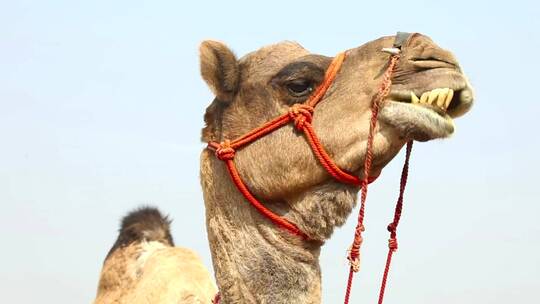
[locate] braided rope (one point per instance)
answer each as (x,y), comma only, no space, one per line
(392,227)
(354,251)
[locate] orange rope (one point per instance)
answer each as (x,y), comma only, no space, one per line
(301,115)
(325,159)
(260,207)
(329,77)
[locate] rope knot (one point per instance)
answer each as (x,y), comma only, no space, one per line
(301,114)
(354,262)
(353,254)
(354,258)
(225,151)
(392,244)
(392,227)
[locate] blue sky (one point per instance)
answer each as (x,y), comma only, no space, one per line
(101,107)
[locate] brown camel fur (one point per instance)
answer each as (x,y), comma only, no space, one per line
(254,261)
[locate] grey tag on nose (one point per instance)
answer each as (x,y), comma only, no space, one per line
(401,38)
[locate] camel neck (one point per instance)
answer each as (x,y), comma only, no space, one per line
(254,261)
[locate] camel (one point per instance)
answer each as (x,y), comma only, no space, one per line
(254,260)
(143,266)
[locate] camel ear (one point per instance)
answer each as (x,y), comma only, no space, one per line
(219,68)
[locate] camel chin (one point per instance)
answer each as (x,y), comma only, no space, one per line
(416,122)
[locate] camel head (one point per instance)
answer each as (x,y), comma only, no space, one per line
(429,90)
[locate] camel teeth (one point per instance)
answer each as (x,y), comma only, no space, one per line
(442,97)
(414,98)
(433,95)
(448,98)
(424,97)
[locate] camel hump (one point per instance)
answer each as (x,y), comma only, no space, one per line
(144,224)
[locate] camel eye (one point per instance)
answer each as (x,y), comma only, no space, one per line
(300,87)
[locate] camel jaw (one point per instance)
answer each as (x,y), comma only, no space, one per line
(420,123)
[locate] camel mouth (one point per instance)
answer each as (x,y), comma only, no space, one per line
(428,114)
(446,102)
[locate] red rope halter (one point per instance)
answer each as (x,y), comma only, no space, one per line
(301,116)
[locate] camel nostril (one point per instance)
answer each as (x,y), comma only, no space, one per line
(433,62)
(467,95)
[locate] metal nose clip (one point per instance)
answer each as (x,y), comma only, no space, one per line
(400,39)
(392,51)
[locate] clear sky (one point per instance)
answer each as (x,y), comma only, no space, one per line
(101,107)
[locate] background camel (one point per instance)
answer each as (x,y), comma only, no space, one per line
(254,261)
(143,266)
